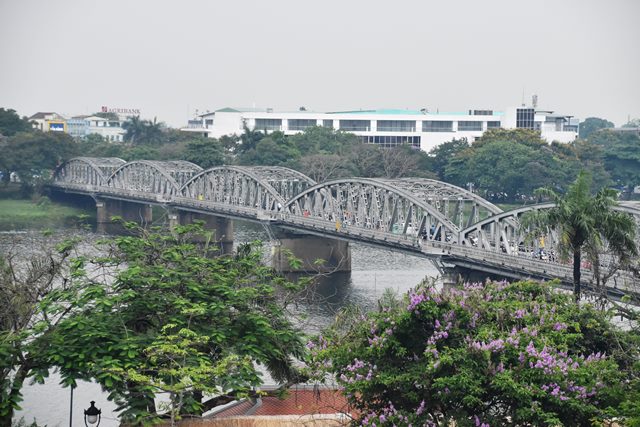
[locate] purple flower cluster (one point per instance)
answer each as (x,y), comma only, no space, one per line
(478,423)
(552,361)
(493,346)
(355,372)
(439,332)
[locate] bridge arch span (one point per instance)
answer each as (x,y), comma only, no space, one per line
(502,232)
(255,187)
(459,205)
(376,205)
(152,177)
(93,171)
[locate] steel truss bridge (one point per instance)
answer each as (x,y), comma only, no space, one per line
(448,224)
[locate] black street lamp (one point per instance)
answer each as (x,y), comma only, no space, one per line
(92,415)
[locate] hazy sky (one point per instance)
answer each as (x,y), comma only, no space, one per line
(169,58)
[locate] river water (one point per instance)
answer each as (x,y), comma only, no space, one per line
(373,271)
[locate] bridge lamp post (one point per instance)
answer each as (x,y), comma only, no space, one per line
(92,415)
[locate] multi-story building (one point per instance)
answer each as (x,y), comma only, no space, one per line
(388,128)
(81,126)
(49,122)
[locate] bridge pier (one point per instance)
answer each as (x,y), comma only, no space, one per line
(335,254)
(221,227)
(453,276)
(140,213)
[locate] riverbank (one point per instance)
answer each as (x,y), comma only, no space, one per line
(21,214)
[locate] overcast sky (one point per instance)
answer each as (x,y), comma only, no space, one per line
(169,58)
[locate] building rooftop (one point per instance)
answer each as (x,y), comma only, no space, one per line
(43,115)
(299,401)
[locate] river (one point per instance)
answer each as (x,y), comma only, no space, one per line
(373,270)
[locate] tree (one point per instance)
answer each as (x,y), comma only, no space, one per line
(143,132)
(398,162)
(206,152)
(249,139)
(175,318)
(585,222)
(323,140)
(134,128)
(26,321)
(323,167)
(444,152)
(592,124)
(621,152)
(504,170)
(632,123)
(34,156)
(366,160)
(273,150)
(11,123)
(495,354)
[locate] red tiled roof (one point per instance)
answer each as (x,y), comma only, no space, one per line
(297,402)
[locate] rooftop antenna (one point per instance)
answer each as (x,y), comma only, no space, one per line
(534,101)
(523,96)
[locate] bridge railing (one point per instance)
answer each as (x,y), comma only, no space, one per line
(624,281)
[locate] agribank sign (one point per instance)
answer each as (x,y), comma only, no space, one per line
(121,111)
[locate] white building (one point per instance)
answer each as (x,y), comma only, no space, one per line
(81,126)
(388,128)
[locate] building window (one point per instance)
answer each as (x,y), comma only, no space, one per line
(327,124)
(355,125)
(493,125)
(481,112)
(268,124)
(469,126)
(396,126)
(390,141)
(301,124)
(208,122)
(524,118)
(437,126)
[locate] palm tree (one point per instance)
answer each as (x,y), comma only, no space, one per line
(134,128)
(585,222)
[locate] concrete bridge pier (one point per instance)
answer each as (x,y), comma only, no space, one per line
(140,213)
(335,254)
(222,227)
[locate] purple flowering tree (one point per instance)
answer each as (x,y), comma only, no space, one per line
(485,355)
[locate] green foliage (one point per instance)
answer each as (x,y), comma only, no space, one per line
(176,319)
(145,132)
(11,123)
(22,423)
(26,320)
(206,152)
(35,155)
(494,354)
(621,152)
(632,123)
(273,150)
(591,125)
(444,152)
(585,222)
(507,165)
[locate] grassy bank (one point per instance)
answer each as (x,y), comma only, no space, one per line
(25,214)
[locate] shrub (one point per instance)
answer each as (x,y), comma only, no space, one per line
(494,354)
